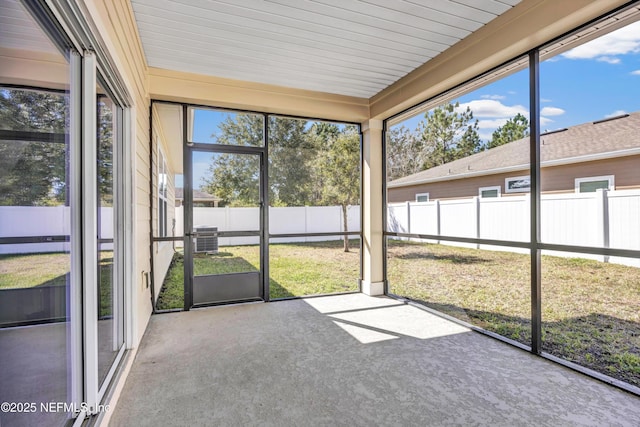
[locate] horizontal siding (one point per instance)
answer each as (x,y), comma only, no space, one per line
(556,179)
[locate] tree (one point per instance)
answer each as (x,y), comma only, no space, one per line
(105,151)
(33,173)
(448,134)
(293,153)
(405,153)
(515,128)
(234,178)
(340,170)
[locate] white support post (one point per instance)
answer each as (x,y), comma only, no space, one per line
(372,227)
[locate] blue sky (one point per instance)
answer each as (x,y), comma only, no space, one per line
(596,80)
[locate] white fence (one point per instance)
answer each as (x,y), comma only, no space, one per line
(601,219)
(29,221)
(285,220)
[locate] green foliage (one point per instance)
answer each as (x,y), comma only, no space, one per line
(310,164)
(105,152)
(32,173)
(448,134)
(235,178)
(293,154)
(28,110)
(340,171)
(514,129)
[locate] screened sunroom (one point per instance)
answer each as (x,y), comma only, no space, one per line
(321,212)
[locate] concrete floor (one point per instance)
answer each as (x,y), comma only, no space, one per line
(35,368)
(349,360)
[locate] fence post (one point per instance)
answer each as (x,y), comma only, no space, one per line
(306,222)
(603,201)
(438,220)
(476,201)
(408,217)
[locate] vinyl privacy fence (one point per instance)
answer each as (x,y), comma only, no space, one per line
(27,221)
(600,219)
(282,220)
(608,219)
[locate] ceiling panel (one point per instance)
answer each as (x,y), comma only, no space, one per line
(18,30)
(348,47)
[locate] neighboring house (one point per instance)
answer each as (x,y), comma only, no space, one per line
(200,198)
(583,158)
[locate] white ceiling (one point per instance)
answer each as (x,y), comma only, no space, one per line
(18,30)
(348,47)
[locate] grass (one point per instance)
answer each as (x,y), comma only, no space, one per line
(22,271)
(29,270)
(295,269)
(590,309)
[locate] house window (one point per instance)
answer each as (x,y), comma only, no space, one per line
(422,197)
(517,184)
(591,184)
(162,195)
(485,192)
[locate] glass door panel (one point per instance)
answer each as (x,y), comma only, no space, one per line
(110,291)
(225,209)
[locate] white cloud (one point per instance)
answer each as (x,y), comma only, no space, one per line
(624,41)
(498,97)
(545,121)
(491,124)
(492,109)
(615,113)
(609,59)
(552,111)
(636,73)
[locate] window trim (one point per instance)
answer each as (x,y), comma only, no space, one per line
(489,188)
(161,170)
(610,178)
(518,190)
(422,195)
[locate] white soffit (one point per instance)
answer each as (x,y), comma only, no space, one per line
(347,47)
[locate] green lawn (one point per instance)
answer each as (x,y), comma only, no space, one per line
(51,269)
(295,269)
(590,309)
(29,270)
